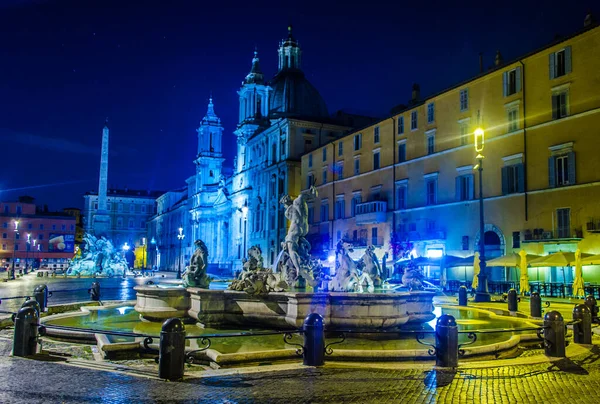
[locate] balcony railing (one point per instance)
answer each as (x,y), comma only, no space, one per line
(423,235)
(365,241)
(543,235)
(371,212)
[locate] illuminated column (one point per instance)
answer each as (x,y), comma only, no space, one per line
(101,219)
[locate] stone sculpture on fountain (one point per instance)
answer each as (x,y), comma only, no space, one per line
(371,266)
(255,279)
(413,277)
(348,276)
(99,257)
(195,275)
(294,260)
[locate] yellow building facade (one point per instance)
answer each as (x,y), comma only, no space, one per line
(413,173)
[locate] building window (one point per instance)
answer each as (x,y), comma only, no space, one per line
(401,197)
(120,207)
(131,224)
(516,239)
(340,208)
(511,81)
(401,152)
(4,235)
(431,144)
(131,208)
(560,104)
(143,208)
(376,135)
(376,162)
(357,141)
(41,226)
(324,153)
(431,191)
(563,222)
(324,211)
(412,226)
(310,180)
(464,99)
(356,166)
(5,225)
(400,125)
(374,236)
(96,206)
(430,113)
(561,170)
(513,119)
(464,133)
(4,247)
(63,227)
(560,63)
(119,222)
(340,170)
(356,199)
(40,237)
(310,157)
(6,209)
(16,247)
(325,175)
(29,226)
(17,236)
(72,227)
(340,148)
(311,214)
(413,120)
(53,227)
(464,187)
(513,179)
(142,225)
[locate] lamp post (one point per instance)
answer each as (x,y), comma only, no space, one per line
(482,294)
(245,213)
(180,236)
(143,253)
(11,273)
(153,242)
(28,245)
(34,247)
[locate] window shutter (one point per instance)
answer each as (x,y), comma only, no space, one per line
(505,180)
(471,186)
(457,188)
(505,83)
(521,177)
(568,64)
(551,173)
(555,106)
(518,79)
(571,166)
(551,65)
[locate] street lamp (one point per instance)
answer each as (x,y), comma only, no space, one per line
(11,273)
(28,244)
(482,294)
(143,253)
(180,236)
(245,213)
(153,242)
(34,247)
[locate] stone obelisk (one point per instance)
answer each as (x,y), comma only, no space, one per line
(101,216)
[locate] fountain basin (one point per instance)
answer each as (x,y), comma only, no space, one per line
(289,309)
(159,303)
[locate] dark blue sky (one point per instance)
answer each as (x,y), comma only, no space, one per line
(150,66)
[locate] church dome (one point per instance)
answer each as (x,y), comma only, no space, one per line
(294,95)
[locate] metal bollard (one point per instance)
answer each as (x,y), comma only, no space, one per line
(554,335)
(512,300)
(95,291)
(40,294)
(535,305)
(462,296)
(590,302)
(582,331)
(34,304)
(26,332)
(446,342)
(314,340)
(171,358)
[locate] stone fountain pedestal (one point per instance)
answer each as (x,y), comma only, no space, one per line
(285,309)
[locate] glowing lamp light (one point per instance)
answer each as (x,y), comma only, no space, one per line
(143,240)
(479,140)
(434,253)
(16,225)
(245,210)
(153,241)
(331,259)
(126,247)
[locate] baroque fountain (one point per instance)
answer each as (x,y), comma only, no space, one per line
(262,297)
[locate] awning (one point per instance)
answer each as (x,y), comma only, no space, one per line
(557,259)
(509,260)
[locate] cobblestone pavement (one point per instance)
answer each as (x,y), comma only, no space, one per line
(576,380)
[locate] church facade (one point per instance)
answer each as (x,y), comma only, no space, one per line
(279,121)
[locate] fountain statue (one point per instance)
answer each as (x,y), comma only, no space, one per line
(371,266)
(255,279)
(294,260)
(413,277)
(99,257)
(195,275)
(348,276)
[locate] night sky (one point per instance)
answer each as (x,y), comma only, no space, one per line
(149,66)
